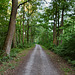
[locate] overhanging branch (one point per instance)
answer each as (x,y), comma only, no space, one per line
(23,3)
(46,1)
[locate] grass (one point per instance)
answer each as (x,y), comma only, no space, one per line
(66,70)
(14,59)
(46,50)
(44,47)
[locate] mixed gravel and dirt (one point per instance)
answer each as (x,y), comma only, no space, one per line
(38,64)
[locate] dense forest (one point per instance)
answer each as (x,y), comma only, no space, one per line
(24,23)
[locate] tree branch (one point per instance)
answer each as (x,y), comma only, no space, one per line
(31,13)
(46,1)
(23,3)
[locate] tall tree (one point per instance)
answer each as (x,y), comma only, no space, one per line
(23,22)
(55,23)
(11,30)
(28,25)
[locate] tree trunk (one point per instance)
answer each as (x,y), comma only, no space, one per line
(61,31)
(25,31)
(58,30)
(14,40)
(28,26)
(54,29)
(31,35)
(54,34)
(28,31)
(20,32)
(73,27)
(11,30)
(23,26)
(62,20)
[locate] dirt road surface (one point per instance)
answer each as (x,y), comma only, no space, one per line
(38,64)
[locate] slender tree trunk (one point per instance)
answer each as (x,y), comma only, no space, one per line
(54,34)
(25,31)
(28,26)
(23,24)
(31,35)
(20,32)
(62,20)
(73,27)
(11,30)
(58,30)
(54,29)
(28,31)
(61,31)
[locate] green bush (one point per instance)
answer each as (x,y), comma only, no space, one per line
(67,49)
(14,52)
(72,62)
(25,45)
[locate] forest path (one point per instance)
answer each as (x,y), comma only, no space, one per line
(38,64)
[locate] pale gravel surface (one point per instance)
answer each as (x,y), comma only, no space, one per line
(38,64)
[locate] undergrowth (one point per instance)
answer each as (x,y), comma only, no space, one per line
(13,52)
(15,57)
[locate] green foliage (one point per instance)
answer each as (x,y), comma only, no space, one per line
(3,21)
(13,53)
(45,39)
(66,46)
(66,70)
(72,62)
(25,45)
(67,49)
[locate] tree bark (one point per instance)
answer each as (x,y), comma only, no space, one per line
(20,32)
(62,20)
(61,31)
(11,30)
(73,26)
(23,26)
(54,28)
(14,40)
(31,35)
(58,30)
(25,31)
(54,34)
(23,3)
(28,26)
(28,31)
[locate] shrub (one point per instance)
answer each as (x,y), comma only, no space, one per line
(67,49)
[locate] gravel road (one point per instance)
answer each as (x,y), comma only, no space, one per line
(38,64)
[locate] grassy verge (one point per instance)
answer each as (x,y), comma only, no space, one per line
(15,57)
(60,63)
